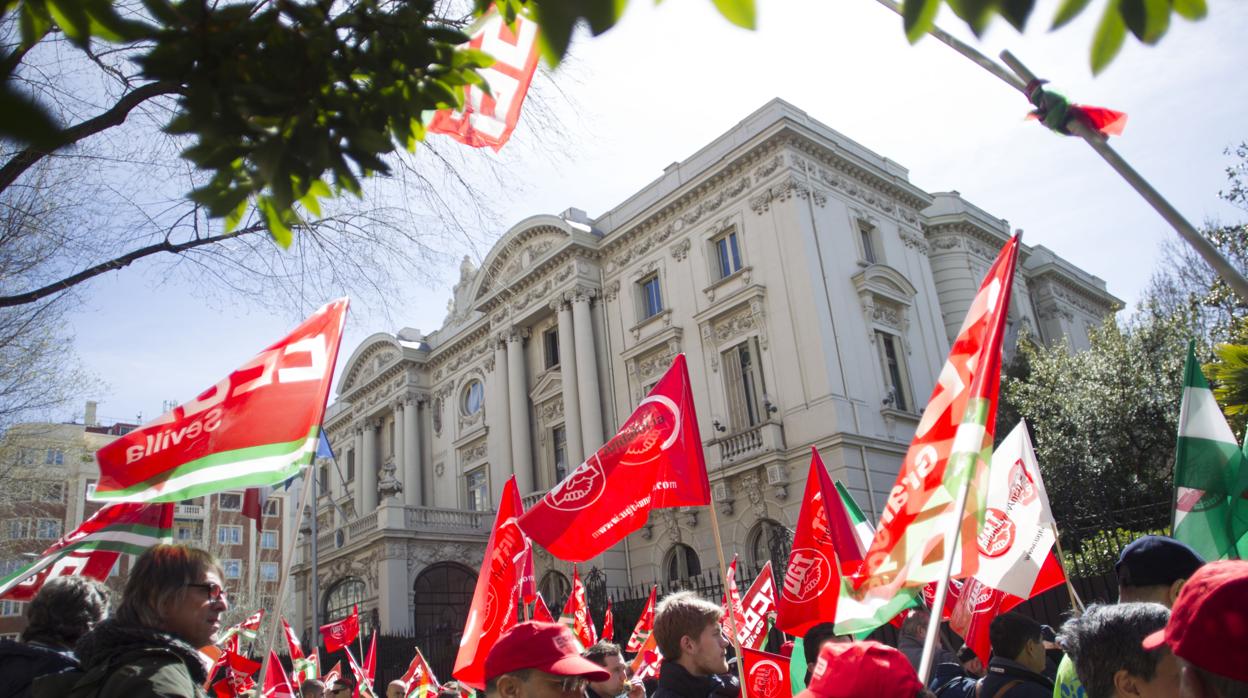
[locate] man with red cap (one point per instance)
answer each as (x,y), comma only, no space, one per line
(1208,632)
(539,660)
(865,669)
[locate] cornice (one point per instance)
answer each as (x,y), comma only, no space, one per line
(548,267)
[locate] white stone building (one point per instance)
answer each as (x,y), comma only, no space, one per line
(813,288)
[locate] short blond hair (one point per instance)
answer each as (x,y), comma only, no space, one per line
(682,614)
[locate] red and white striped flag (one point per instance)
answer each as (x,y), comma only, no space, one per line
(645,624)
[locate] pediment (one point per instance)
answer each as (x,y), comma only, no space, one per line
(886,282)
(548,385)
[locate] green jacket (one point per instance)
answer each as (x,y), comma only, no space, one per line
(129,662)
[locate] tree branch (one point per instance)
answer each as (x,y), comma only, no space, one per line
(121,262)
(117,114)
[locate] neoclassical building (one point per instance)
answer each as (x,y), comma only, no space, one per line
(814,289)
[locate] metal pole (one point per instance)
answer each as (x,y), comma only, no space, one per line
(316,593)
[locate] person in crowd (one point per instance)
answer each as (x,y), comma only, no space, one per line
(814,641)
(63,610)
(1104,644)
(608,656)
(396,689)
(450,689)
(1208,632)
(312,688)
(344,686)
(689,636)
(1017,659)
(914,634)
(864,669)
(957,679)
(171,605)
(539,660)
(1149,568)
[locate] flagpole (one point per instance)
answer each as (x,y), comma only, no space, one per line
(723,575)
(1057,541)
(315,587)
(942,586)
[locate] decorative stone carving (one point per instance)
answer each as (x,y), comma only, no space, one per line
(645,367)
(438,405)
(782,191)
(681,250)
(612,291)
(680,218)
(913,240)
(439,469)
(473,452)
(388,486)
(550,412)
(752,485)
(767,168)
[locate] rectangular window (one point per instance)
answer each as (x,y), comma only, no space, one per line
(478,490)
(743,385)
(230,535)
(728,254)
(550,342)
(268,571)
(651,296)
(52,492)
(866,233)
(55,456)
(322,480)
(230,501)
(559,437)
(9,609)
(271,506)
(268,540)
(10,566)
(351,465)
(19,529)
(896,378)
(187,531)
(233,568)
(48,529)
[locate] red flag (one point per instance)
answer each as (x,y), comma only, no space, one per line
(732,594)
(419,680)
(812,579)
(333,674)
(255,427)
(759,602)
(341,633)
(655,461)
(238,673)
(292,640)
(648,660)
(645,624)
(528,586)
(952,444)
(608,624)
(370,659)
(489,118)
(576,613)
(766,675)
(975,605)
(540,612)
(493,601)
(254,499)
(276,683)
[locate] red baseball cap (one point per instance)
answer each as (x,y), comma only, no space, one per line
(548,647)
(1209,622)
(865,669)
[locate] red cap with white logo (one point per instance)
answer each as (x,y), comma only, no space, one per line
(548,647)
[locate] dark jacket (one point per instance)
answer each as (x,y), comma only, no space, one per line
(950,680)
(22,662)
(129,662)
(1003,671)
(676,682)
(913,649)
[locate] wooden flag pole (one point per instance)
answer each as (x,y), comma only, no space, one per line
(1074,597)
(732,618)
(288,554)
(1019,81)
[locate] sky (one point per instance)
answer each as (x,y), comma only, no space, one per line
(669,78)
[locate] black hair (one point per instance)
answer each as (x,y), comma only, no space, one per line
(1010,632)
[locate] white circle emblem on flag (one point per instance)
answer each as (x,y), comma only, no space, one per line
(808,575)
(765,679)
(653,428)
(580,489)
(997,536)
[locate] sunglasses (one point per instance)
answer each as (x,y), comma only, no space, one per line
(571,684)
(214,590)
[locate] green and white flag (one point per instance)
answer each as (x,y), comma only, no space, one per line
(1206,469)
(858,613)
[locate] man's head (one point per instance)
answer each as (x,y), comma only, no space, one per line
(915,624)
(866,668)
(1104,644)
(608,656)
(344,687)
(450,689)
(176,589)
(1208,632)
(396,689)
(814,640)
(538,660)
(970,662)
(65,609)
(1016,637)
(687,631)
(312,688)
(1154,568)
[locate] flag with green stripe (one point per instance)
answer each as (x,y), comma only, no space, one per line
(859,613)
(93,548)
(1207,465)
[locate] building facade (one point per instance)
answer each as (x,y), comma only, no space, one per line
(814,290)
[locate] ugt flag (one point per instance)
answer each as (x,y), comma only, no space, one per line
(341,633)
(254,428)
(953,443)
(654,461)
(92,549)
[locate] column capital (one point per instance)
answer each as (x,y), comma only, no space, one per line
(559,303)
(371,423)
(581,294)
(516,334)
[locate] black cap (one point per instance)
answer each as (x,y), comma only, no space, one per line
(1156,560)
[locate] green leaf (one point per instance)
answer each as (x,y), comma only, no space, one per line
(278,229)
(1107,40)
(917,17)
(556,34)
(25,120)
(1191,9)
(976,13)
(739,12)
(34,21)
(72,19)
(1068,11)
(1016,12)
(1147,19)
(233,218)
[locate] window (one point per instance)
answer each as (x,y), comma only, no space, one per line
(322,479)
(550,343)
(230,535)
(443,597)
(90,490)
(10,566)
(268,540)
(27,456)
(48,529)
(351,465)
(473,398)
(343,597)
(727,254)
(268,571)
(896,380)
(52,492)
(770,541)
(743,385)
(477,490)
(682,563)
(55,456)
(10,608)
(651,296)
(271,506)
(233,568)
(555,589)
(18,529)
(866,233)
(185,531)
(559,437)
(230,501)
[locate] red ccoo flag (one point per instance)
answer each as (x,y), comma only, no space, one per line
(732,594)
(645,624)
(655,461)
(576,613)
(493,608)
(759,602)
(343,632)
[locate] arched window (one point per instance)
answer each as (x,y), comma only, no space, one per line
(342,597)
(682,563)
(769,540)
(555,589)
(443,597)
(473,398)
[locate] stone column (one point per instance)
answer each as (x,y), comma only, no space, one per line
(568,371)
(400,438)
(518,396)
(502,400)
(394,608)
(587,367)
(413,477)
(358,482)
(368,478)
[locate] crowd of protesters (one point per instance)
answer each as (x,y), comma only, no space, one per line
(1179,629)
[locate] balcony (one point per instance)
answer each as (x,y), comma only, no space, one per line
(404,520)
(194,510)
(747,443)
